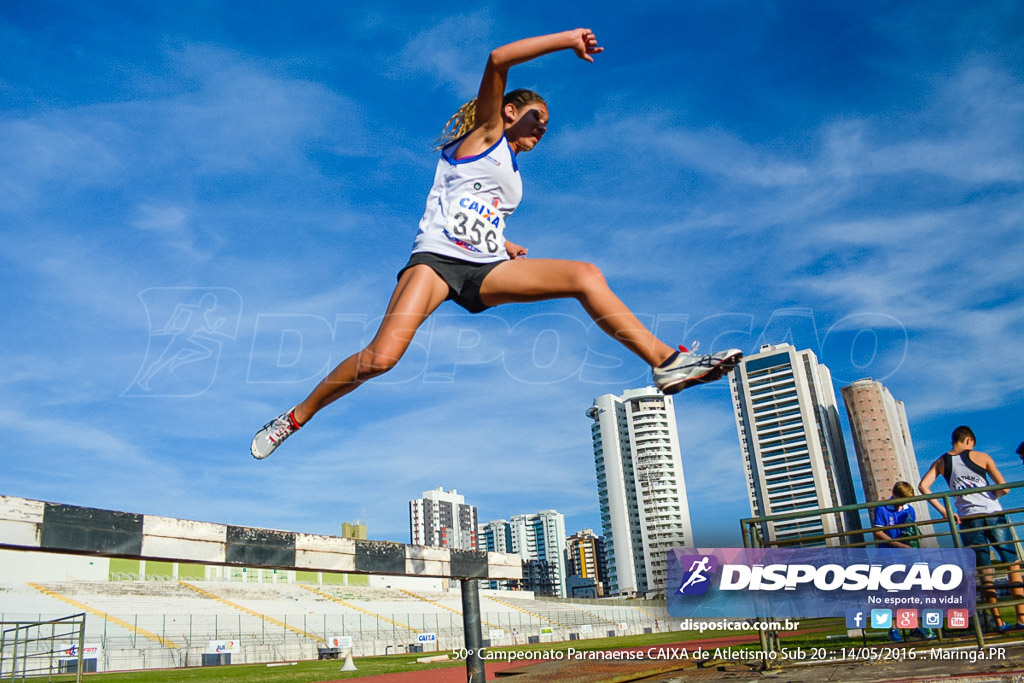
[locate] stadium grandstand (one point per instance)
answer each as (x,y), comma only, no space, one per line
(142,615)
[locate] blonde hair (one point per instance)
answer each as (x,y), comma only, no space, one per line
(464,120)
(903,489)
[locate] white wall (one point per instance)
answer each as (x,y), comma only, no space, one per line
(17,566)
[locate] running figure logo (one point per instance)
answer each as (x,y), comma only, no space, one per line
(188,327)
(697,568)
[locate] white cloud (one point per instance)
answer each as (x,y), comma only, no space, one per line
(448,54)
(74,460)
(170,223)
(237,118)
(44,153)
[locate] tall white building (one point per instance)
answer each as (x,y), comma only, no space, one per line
(641,488)
(442,518)
(881,439)
(536,537)
(793,453)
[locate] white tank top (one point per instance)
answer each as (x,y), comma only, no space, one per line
(962,474)
(468,204)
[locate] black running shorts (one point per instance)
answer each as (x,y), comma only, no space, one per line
(463,277)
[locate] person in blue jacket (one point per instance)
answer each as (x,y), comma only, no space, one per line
(895,514)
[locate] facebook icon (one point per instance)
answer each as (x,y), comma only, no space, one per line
(855,618)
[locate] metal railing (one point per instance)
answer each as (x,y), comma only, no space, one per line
(33,649)
(123,647)
(999,583)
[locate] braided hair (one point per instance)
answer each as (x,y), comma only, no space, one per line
(464,120)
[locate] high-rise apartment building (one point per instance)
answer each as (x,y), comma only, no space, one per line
(881,439)
(537,538)
(587,557)
(442,518)
(495,537)
(793,453)
(541,537)
(640,486)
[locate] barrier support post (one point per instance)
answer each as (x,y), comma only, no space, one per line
(471,627)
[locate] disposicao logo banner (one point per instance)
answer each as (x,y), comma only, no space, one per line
(816,582)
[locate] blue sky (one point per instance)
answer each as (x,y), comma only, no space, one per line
(204,206)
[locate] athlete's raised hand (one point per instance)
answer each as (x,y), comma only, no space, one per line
(585,44)
(490,120)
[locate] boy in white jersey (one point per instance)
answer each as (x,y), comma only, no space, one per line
(460,252)
(984,527)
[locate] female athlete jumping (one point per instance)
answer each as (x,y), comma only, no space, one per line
(460,252)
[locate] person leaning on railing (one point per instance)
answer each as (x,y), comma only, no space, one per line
(895,515)
(984,526)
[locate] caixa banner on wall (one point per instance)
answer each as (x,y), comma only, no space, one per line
(816,582)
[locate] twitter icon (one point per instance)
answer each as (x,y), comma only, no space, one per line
(881,618)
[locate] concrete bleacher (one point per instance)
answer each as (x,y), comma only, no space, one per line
(565,620)
(147,624)
(20,601)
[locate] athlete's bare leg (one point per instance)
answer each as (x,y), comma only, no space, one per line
(418,294)
(523,280)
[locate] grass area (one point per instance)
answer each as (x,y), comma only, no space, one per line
(300,672)
(312,672)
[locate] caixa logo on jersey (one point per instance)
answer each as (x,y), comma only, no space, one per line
(815,582)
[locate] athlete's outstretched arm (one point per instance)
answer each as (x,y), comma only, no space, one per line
(489,120)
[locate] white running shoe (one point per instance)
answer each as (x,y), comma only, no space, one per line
(687,368)
(273,434)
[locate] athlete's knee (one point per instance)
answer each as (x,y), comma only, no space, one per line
(374,361)
(587,278)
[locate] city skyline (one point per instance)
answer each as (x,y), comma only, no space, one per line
(206,207)
(871,399)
